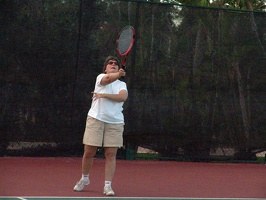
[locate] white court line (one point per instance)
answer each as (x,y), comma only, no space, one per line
(148,198)
(21,198)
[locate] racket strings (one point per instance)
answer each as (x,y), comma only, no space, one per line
(125,40)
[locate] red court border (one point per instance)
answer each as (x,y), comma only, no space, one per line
(30,176)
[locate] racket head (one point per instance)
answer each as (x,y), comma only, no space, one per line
(125,41)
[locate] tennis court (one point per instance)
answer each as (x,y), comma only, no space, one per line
(54,178)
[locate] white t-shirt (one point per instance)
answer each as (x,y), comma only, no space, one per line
(105,109)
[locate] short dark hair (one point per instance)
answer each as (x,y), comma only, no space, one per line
(107,60)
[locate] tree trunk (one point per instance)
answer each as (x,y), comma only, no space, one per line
(242,100)
(199,51)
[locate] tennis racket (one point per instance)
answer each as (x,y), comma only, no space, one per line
(124,43)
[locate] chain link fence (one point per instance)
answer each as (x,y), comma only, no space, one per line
(195,77)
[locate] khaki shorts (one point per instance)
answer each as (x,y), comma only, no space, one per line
(101,134)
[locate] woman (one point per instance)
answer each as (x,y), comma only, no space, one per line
(105,123)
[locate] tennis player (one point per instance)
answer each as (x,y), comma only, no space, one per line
(105,123)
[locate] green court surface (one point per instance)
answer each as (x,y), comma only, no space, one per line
(120,198)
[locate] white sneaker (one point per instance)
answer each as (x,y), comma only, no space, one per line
(107,190)
(81,184)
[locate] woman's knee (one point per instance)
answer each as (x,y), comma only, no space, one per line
(110,153)
(89,151)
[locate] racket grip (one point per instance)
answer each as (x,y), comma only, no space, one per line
(124,68)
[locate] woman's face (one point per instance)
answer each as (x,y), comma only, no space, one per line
(111,67)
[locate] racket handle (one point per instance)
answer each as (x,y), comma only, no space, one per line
(124,68)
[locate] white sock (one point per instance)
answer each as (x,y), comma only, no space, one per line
(85,177)
(107,183)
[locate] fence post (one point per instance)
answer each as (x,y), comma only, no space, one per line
(130,152)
